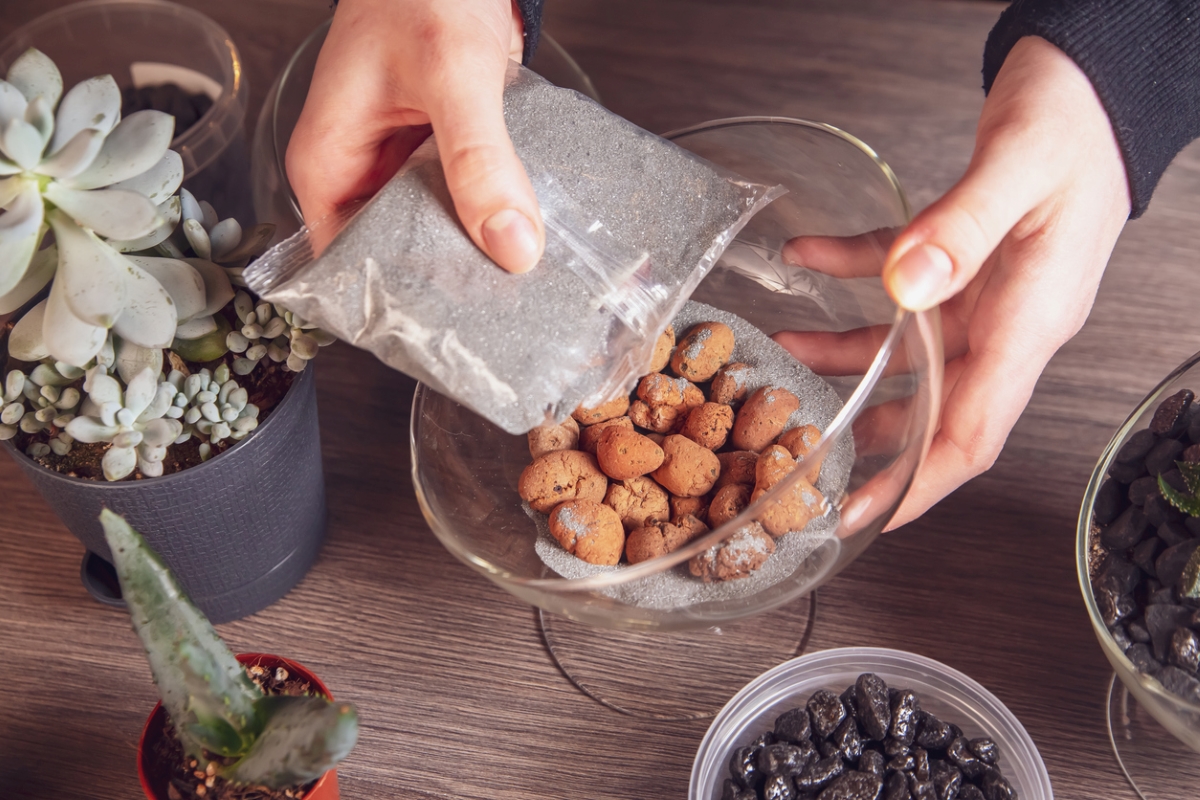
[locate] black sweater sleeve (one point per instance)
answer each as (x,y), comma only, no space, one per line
(531,13)
(1143,58)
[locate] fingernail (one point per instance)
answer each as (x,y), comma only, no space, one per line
(511,240)
(918,281)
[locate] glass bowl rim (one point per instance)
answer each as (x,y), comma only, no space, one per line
(234,88)
(1083,533)
(839,427)
(881,658)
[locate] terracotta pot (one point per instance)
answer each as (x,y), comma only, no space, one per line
(239,531)
(326,788)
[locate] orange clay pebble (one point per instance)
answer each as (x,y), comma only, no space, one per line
(590,530)
(624,454)
(589,437)
(652,541)
(662,349)
(729,384)
(708,425)
(737,467)
(656,419)
(800,442)
(703,351)
(800,502)
(561,475)
(727,503)
(742,553)
(548,438)
(763,417)
(638,502)
(683,506)
(688,470)
(613,408)
(691,523)
(658,389)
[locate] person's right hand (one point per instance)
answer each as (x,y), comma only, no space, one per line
(387,71)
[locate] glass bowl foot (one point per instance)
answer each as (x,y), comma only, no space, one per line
(1158,766)
(676,675)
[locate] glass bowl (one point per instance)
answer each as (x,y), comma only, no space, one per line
(149,42)
(274,200)
(945,692)
(1141,751)
(883,364)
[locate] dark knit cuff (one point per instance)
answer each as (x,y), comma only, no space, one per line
(531,13)
(1143,58)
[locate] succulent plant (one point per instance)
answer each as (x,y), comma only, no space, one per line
(103,185)
(212,406)
(34,402)
(271,331)
(276,741)
(1189,503)
(134,421)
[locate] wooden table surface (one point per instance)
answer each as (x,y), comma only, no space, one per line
(457,694)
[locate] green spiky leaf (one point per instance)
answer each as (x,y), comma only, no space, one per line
(1189,584)
(1191,476)
(302,738)
(1188,504)
(203,687)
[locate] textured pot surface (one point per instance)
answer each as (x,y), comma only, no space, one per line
(325,789)
(239,530)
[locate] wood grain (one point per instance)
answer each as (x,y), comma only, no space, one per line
(457,695)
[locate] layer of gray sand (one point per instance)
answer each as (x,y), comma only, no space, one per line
(770,365)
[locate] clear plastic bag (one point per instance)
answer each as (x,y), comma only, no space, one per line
(633,223)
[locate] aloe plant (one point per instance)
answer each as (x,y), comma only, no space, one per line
(276,741)
(1189,503)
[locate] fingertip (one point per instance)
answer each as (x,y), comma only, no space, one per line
(513,240)
(919,277)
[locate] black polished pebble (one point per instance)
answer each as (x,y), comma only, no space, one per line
(1178,682)
(1168,567)
(1162,457)
(1162,597)
(779,787)
(1111,500)
(1145,553)
(1120,636)
(1170,418)
(1162,620)
(1138,632)
(872,761)
(819,773)
(827,712)
(947,780)
(1136,447)
(1174,533)
(1119,576)
(865,755)
(1184,650)
(1159,511)
(904,708)
(986,750)
(1141,489)
(1126,530)
(794,725)
(853,786)
(1127,473)
(1143,659)
(895,787)
(783,759)
(874,706)
(995,786)
(1114,607)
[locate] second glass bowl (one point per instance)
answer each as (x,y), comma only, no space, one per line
(885,366)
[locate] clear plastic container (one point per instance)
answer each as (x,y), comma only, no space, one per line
(945,692)
(108,37)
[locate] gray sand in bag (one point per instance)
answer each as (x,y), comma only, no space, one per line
(770,365)
(404,281)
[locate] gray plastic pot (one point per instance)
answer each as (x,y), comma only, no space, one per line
(239,530)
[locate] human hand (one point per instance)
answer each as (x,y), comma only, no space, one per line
(390,69)
(1014,253)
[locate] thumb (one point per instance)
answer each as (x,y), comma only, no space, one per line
(945,246)
(492,194)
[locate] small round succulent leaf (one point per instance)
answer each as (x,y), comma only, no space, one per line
(12,103)
(195,328)
(161,432)
(209,217)
(197,237)
(224,237)
(127,438)
(140,391)
(217,289)
(94,104)
(34,75)
(132,359)
(135,145)
(191,206)
(67,337)
(90,430)
(40,115)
